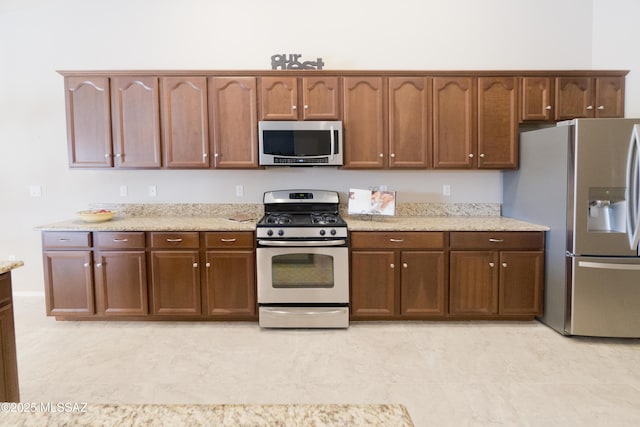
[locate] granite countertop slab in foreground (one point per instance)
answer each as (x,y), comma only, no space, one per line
(295,415)
(6,266)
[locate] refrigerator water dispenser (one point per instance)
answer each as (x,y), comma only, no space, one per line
(607,210)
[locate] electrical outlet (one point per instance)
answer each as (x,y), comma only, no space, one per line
(123,191)
(239,190)
(446,190)
(35,191)
(153,191)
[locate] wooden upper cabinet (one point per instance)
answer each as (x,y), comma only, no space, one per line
(409,122)
(609,97)
(185,124)
(279,98)
(574,97)
(537,98)
(88,121)
(136,122)
(234,122)
(320,98)
(364,122)
(497,123)
(454,139)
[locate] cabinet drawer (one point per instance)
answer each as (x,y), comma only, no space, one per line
(391,240)
(168,240)
(497,240)
(229,239)
(119,240)
(66,239)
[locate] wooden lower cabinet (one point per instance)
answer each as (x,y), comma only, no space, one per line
(175,282)
(9,388)
(398,283)
(230,275)
(503,277)
(121,273)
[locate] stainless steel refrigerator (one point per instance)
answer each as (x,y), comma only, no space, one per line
(581,179)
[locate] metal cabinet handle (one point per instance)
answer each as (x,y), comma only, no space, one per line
(208,264)
(548,108)
(228,240)
(392,265)
(86,264)
(405,265)
(381,155)
(174,240)
(393,155)
(470,155)
(306,107)
(216,155)
(119,155)
(590,107)
(99,264)
(504,264)
(491,265)
(396,240)
(204,155)
(106,156)
(496,240)
(294,107)
(601,107)
(482,155)
(195,264)
(120,240)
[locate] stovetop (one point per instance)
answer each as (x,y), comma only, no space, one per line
(287,219)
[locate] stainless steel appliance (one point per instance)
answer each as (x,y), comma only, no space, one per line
(304,143)
(581,179)
(302,261)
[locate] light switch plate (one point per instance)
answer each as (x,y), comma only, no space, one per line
(35,191)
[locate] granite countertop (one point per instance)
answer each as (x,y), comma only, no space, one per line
(6,266)
(239,217)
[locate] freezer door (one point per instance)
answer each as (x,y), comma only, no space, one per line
(605,297)
(598,193)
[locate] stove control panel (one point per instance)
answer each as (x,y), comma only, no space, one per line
(301,232)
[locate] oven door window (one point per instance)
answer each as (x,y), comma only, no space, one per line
(302,271)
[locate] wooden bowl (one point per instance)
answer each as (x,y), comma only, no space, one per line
(96,215)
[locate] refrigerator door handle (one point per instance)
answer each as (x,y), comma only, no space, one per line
(633,184)
(608,265)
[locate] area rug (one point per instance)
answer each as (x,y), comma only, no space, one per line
(295,415)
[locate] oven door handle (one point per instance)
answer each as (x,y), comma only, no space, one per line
(315,243)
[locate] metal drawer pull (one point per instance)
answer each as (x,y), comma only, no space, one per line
(496,240)
(174,240)
(396,240)
(120,240)
(228,240)
(62,239)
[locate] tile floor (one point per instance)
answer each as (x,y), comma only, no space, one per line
(445,373)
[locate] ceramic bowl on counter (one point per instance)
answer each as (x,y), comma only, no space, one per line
(96,215)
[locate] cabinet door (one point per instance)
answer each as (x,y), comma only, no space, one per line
(185,125)
(9,387)
(473,288)
(136,121)
(497,122)
(88,122)
(609,97)
(409,122)
(364,123)
(521,282)
(175,283)
(574,97)
(320,98)
(454,141)
(422,284)
(234,122)
(230,284)
(68,277)
(537,98)
(121,283)
(373,278)
(278,98)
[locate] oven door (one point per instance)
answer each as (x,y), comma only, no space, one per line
(305,275)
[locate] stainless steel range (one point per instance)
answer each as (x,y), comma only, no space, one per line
(302,261)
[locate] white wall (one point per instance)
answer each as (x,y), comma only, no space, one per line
(41,36)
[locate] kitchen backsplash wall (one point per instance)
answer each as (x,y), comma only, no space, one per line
(44,36)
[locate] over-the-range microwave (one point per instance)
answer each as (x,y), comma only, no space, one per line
(304,143)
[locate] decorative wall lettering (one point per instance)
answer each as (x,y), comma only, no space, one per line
(291,62)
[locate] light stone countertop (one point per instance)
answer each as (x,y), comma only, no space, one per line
(165,223)
(450,223)
(6,266)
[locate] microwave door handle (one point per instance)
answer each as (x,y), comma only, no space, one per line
(633,181)
(332,141)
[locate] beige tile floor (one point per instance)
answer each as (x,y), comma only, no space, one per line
(445,373)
